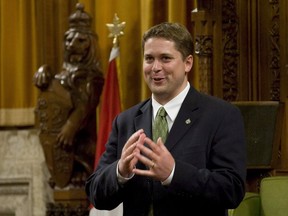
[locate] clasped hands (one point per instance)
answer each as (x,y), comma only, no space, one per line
(153,155)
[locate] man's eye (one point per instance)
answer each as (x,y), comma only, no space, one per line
(148,59)
(166,58)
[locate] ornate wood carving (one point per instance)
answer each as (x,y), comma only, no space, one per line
(66,109)
(230,26)
(204,49)
(274,57)
(203,19)
(204,45)
(66,116)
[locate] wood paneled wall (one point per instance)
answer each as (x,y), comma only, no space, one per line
(241,54)
(241,49)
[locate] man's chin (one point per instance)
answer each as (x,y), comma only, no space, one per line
(159,90)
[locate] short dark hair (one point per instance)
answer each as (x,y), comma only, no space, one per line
(174,32)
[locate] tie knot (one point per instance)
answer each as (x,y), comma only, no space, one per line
(161,112)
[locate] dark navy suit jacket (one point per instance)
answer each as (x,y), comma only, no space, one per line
(207,142)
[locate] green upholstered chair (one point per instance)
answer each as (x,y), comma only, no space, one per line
(250,206)
(274,196)
(271,201)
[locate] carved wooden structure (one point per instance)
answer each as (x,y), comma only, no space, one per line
(241,54)
(66,115)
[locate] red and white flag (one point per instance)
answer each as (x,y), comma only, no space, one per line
(111,103)
(110,107)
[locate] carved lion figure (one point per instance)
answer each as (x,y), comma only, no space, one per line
(66,108)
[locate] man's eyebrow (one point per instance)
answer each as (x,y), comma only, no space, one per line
(147,54)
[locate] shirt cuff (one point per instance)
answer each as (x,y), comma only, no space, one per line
(167,181)
(121,179)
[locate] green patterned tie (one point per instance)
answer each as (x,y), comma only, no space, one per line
(160,126)
(160,129)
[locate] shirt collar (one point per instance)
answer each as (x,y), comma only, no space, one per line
(173,106)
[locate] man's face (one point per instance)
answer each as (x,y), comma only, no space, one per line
(165,71)
(77,46)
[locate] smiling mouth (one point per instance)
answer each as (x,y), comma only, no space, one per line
(158,79)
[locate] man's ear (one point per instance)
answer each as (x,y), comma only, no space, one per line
(188,63)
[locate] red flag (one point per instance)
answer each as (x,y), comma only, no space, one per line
(110,107)
(111,103)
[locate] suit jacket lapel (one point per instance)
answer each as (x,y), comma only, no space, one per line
(187,115)
(144,119)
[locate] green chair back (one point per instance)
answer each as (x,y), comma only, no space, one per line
(274,196)
(250,206)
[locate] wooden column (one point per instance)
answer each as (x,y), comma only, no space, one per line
(203,22)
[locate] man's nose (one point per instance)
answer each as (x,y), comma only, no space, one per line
(156,66)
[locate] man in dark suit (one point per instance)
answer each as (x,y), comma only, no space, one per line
(201,167)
